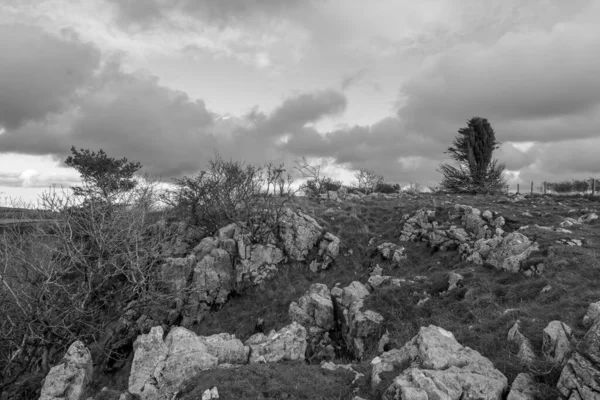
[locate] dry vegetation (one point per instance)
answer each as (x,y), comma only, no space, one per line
(479,313)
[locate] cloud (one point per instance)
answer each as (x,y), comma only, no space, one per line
(531,85)
(146,12)
(40,73)
(32,178)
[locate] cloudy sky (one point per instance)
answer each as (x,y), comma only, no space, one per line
(383,85)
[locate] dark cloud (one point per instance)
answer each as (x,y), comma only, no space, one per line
(530,85)
(145,12)
(40,73)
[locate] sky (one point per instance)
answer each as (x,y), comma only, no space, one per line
(383,85)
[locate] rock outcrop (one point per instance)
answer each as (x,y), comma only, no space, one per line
(523,388)
(160,365)
(68,380)
(436,366)
(314,311)
(289,343)
(580,378)
(360,328)
(557,342)
(525,353)
(592,315)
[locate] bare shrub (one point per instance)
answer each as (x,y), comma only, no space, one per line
(67,277)
(367,180)
(253,197)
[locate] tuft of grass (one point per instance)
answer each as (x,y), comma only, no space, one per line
(283,380)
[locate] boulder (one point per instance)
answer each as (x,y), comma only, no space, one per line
(580,377)
(264,261)
(557,342)
(393,252)
(176,273)
(160,366)
(508,254)
(454,279)
(299,233)
(592,315)
(314,308)
(210,394)
(360,328)
(69,379)
(523,388)
(438,367)
(289,343)
(515,337)
(227,348)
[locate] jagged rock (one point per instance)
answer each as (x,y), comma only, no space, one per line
(314,308)
(506,253)
(525,354)
(69,379)
(360,328)
(557,342)
(160,367)
(300,233)
(391,251)
(523,388)
(348,367)
(378,281)
(263,263)
(227,348)
(580,377)
(438,367)
(329,249)
(588,218)
(289,343)
(592,315)
(176,272)
(210,394)
(453,280)
(205,246)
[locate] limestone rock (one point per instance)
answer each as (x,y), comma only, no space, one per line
(393,252)
(314,308)
(580,378)
(523,388)
(176,272)
(453,280)
(525,354)
(360,328)
(438,367)
(227,348)
(210,394)
(160,367)
(592,315)
(289,343)
(348,367)
(68,380)
(557,342)
(264,262)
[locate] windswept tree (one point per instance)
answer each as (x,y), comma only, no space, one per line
(477,171)
(102,176)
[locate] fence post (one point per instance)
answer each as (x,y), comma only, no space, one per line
(531,187)
(518,188)
(545,186)
(593,187)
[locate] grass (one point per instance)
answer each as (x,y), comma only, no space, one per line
(284,380)
(475,313)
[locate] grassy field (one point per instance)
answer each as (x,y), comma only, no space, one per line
(479,313)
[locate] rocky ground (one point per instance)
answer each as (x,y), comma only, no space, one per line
(425,296)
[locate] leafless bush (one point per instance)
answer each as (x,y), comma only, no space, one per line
(251,196)
(413,188)
(66,278)
(367,180)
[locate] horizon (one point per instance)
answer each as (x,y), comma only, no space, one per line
(384,87)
